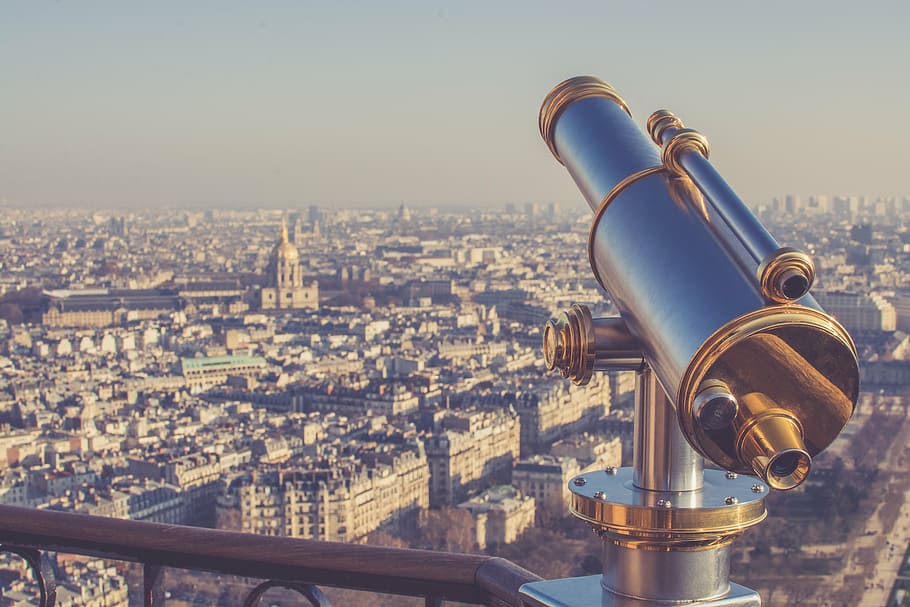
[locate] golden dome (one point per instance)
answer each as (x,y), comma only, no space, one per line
(284,250)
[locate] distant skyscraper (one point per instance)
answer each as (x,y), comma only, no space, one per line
(551,210)
(314,213)
(117,226)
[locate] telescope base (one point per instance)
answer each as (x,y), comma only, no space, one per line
(588,592)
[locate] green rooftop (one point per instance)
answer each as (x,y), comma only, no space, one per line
(210,362)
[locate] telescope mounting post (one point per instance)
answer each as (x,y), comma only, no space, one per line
(667,525)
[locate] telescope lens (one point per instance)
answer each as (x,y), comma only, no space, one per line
(786,464)
(795,287)
(788,469)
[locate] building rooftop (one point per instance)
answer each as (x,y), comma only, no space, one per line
(209,362)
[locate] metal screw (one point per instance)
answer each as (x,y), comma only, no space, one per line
(664,503)
(757,488)
(599,495)
(580,481)
(730,500)
(611,470)
(731,475)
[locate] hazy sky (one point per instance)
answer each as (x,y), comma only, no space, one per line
(123,104)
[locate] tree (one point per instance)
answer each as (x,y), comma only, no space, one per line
(11,313)
(27,301)
(447,529)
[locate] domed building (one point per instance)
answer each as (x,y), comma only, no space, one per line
(284,286)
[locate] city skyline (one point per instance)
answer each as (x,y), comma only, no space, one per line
(145,376)
(353,104)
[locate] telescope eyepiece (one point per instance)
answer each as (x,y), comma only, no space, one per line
(786,275)
(786,463)
(788,469)
(771,440)
(794,285)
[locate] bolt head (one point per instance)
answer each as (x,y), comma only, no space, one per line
(731,475)
(600,495)
(580,482)
(611,470)
(663,503)
(756,488)
(730,500)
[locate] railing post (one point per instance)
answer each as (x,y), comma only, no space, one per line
(152,596)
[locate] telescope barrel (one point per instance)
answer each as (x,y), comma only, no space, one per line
(700,318)
(585,141)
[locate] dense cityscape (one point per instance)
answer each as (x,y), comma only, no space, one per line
(375,376)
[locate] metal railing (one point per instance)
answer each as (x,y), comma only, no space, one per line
(292,563)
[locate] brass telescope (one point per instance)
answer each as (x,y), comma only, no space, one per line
(736,362)
(761,378)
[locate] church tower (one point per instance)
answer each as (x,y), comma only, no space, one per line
(284,287)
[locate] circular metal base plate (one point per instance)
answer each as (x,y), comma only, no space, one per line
(727,504)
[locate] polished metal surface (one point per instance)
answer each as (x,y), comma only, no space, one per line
(667,275)
(685,575)
(615,349)
(659,122)
(689,154)
(771,439)
(738,363)
(785,275)
(662,458)
(612,195)
(799,358)
(715,407)
(613,503)
(594,137)
(695,308)
(567,93)
(588,592)
(577,345)
(679,145)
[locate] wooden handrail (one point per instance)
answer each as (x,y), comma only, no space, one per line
(459,577)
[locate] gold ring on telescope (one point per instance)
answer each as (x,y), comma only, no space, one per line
(611,195)
(566,93)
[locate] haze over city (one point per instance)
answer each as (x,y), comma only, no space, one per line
(280,104)
(294,298)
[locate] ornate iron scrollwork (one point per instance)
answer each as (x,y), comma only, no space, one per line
(308,591)
(41,569)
